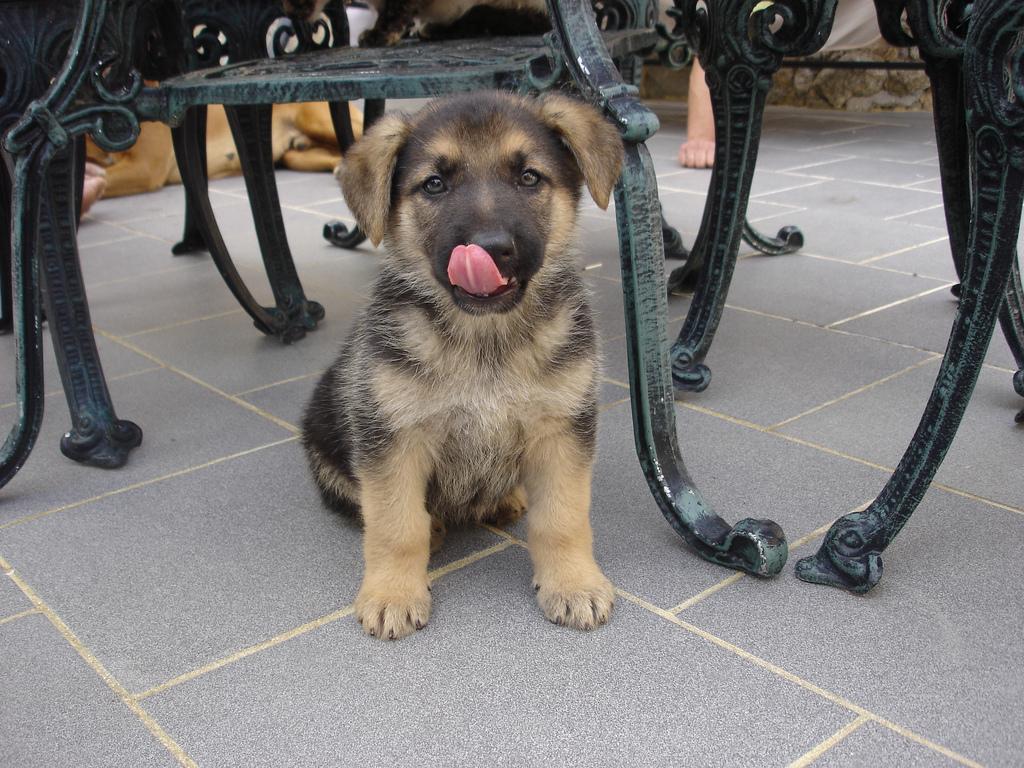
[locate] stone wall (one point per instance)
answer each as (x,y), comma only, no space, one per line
(853,89)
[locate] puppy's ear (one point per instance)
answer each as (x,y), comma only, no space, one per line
(593,141)
(366,170)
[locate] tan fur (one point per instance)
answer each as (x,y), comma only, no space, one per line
(302,137)
(375,169)
(441,413)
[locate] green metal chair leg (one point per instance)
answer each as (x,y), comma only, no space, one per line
(754,546)
(850,556)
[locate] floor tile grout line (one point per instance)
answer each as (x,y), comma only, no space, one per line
(828,328)
(23,614)
(866,262)
(456,565)
(122,237)
(891,377)
(842,331)
(841,455)
(898,216)
(793,678)
(119,377)
(890,305)
(249,651)
(606,380)
(730,580)
(817,164)
(604,408)
(782,435)
(195,380)
(292,380)
(809,757)
(93,284)
(814,181)
(734,649)
(908,734)
(503,533)
(94,663)
(139,233)
(169,326)
(151,481)
(331,215)
(317,623)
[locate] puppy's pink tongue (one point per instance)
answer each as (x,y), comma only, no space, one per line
(472,269)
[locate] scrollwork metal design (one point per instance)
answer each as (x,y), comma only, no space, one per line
(850,556)
(741,44)
(232,31)
(44,32)
(90,91)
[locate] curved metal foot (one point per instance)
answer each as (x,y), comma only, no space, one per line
(192,236)
(789,240)
(844,561)
(292,320)
(338,234)
(191,242)
(689,375)
(293,314)
(740,50)
(106,446)
(673,241)
(850,556)
(188,246)
(754,546)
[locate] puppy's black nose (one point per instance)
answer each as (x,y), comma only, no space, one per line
(496,242)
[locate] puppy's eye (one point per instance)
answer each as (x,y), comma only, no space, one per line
(529,178)
(434,185)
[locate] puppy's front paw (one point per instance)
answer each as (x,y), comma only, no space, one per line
(393,612)
(581,603)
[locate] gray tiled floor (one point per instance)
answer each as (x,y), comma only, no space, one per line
(194,607)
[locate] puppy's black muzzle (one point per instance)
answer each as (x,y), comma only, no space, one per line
(515,262)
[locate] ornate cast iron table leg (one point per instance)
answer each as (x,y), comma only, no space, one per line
(234,31)
(942,54)
(850,556)
(25,316)
(44,161)
(294,313)
(941,48)
(6,293)
(739,52)
(788,240)
(755,546)
(192,234)
(43,215)
(188,140)
(1011,318)
(97,437)
(335,232)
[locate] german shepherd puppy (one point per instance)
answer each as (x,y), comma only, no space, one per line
(467,390)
